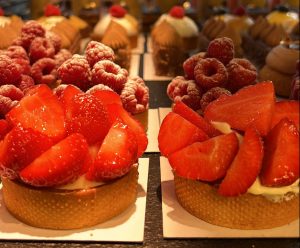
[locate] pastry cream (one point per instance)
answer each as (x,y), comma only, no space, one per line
(287,19)
(4,20)
(185,26)
(51,21)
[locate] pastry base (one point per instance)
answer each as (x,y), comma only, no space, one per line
(63,209)
(249,212)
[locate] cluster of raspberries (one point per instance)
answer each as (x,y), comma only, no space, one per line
(33,58)
(210,74)
(96,69)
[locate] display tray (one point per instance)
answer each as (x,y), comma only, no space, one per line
(152,131)
(126,227)
(178,223)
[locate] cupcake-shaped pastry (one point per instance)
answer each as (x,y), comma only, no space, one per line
(237,180)
(295,88)
(10,28)
(280,66)
(119,15)
(185,27)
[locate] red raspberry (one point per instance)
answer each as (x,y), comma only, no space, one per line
(6,104)
(41,48)
(75,70)
(17,52)
(135,95)
(98,87)
(26,83)
(117,11)
(23,64)
(221,49)
(96,51)
(9,72)
(42,71)
(177,12)
(54,39)
(29,31)
(110,74)
(211,95)
(210,73)
(190,63)
(187,91)
(241,72)
(11,91)
(62,56)
(17,42)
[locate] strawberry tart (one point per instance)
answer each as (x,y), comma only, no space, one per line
(66,156)
(237,166)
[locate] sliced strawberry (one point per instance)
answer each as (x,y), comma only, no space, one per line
(176,133)
(250,106)
(245,167)
(281,161)
(87,115)
(206,160)
(21,146)
(4,128)
(189,114)
(41,111)
(289,109)
(107,96)
(67,95)
(117,153)
(60,164)
(117,111)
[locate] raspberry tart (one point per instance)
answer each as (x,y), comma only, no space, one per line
(238,165)
(67,156)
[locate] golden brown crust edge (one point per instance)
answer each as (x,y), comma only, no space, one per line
(248,211)
(54,209)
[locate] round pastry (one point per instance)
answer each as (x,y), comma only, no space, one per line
(69,209)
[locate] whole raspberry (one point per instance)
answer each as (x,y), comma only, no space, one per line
(17,42)
(9,72)
(187,91)
(11,91)
(211,95)
(6,104)
(110,74)
(221,49)
(58,91)
(54,39)
(41,48)
(96,51)
(17,52)
(98,87)
(135,95)
(241,72)
(23,64)
(75,70)
(42,71)
(62,56)
(190,63)
(29,31)
(26,83)
(210,73)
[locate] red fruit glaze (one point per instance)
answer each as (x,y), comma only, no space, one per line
(87,115)
(176,133)
(117,153)
(116,111)
(250,106)
(4,128)
(193,117)
(245,167)
(107,97)
(206,160)
(286,109)
(41,111)
(281,161)
(21,146)
(59,165)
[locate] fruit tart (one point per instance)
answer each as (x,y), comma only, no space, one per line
(237,166)
(67,156)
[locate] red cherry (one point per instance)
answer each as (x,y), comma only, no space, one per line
(117,11)
(177,12)
(52,10)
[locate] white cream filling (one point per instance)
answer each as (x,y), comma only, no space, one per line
(4,20)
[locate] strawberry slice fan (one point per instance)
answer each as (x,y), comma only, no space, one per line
(243,142)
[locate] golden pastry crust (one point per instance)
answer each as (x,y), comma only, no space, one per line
(63,209)
(244,212)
